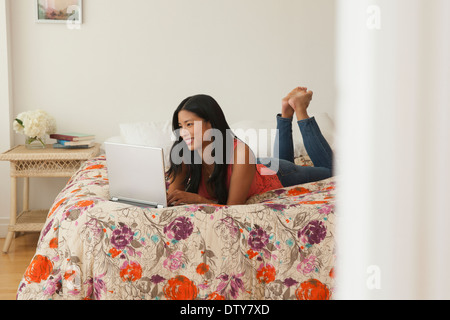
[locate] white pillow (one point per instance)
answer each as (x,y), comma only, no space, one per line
(116,139)
(153,133)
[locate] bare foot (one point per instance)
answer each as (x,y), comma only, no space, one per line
(287,110)
(299,101)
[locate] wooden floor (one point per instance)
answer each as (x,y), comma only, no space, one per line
(15,262)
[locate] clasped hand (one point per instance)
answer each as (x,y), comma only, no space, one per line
(178,197)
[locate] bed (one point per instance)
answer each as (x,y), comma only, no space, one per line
(280,245)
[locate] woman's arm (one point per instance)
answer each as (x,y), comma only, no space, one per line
(178,183)
(243,172)
(178,197)
(176,194)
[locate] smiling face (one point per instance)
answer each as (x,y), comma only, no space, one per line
(192,129)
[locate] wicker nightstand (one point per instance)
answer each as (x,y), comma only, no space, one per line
(48,162)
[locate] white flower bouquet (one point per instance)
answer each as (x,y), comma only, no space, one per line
(35,125)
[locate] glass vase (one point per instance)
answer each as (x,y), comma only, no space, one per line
(35,143)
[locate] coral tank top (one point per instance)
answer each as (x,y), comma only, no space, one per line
(265,180)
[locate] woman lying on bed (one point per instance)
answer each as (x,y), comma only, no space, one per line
(209,164)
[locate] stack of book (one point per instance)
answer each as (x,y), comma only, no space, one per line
(73,140)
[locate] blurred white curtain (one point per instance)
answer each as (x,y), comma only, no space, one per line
(393,124)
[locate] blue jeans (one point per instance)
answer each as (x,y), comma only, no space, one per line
(316,146)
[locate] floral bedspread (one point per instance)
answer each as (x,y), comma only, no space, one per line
(280,245)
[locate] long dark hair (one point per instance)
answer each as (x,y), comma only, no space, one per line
(209,110)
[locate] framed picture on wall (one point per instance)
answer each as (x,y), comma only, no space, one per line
(59,11)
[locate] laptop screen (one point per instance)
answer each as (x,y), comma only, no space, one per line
(136,173)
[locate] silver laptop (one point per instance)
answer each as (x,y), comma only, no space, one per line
(136,175)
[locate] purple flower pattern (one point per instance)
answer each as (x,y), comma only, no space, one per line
(121,237)
(258,238)
(313,233)
(179,229)
(230,285)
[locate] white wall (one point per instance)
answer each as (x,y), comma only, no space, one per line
(136,60)
(5,113)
